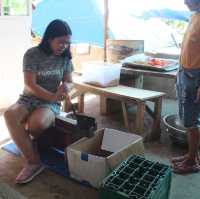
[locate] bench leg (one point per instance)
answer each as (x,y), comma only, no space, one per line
(156,131)
(125,116)
(140,117)
(81,103)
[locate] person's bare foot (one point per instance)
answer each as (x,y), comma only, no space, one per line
(186,166)
(177,160)
(29,172)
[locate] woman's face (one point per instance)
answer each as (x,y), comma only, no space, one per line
(59,44)
(193,5)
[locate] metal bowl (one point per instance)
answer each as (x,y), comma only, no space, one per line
(175,129)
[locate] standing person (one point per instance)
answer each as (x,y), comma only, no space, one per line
(188,91)
(47,75)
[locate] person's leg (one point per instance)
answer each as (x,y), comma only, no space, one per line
(190,163)
(40,120)
(180,93)
(189,112)
(15,117)
(193,144)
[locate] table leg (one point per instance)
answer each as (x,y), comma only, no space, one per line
(156,131)
(140,117)
(103,105)
(125,116)
(81,103)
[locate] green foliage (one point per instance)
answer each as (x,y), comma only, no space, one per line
(15,7)
(180,26)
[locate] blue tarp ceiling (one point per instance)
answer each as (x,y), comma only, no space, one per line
(83,16)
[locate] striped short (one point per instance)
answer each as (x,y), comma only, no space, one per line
(32,102)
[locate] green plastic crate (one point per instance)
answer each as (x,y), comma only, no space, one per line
(137,178)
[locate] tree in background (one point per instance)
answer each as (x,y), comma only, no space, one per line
(179,25)
(15,7)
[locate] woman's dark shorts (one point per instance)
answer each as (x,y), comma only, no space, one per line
(32,102)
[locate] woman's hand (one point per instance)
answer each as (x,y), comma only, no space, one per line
(68,86)
(63,92)
(60,95)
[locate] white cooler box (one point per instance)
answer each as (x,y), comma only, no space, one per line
(101,74)
(90,160)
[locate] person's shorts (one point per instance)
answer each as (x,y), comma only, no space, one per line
(31,103)
(187,84)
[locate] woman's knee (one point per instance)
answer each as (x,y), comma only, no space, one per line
(36,126)
(40,120)
(10,115)
(15,113)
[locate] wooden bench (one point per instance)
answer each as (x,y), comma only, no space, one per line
(127,94)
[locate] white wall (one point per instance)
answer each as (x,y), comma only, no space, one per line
(15,39)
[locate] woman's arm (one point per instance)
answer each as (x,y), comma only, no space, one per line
(70,86)
(67,82)
(38,91)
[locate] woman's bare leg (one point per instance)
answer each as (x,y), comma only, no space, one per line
(193,146)
(193,143)
(15,117)
(40,120)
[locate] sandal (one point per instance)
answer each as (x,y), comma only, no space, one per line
(29,172)
(178,159)
(185,168)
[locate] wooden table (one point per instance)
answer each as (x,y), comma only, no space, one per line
(126,94)
(170,74)
(140,73)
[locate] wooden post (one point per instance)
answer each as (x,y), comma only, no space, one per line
(106,15)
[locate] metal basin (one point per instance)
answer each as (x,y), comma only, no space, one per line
(175,129)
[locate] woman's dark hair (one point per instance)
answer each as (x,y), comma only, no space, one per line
(57,28)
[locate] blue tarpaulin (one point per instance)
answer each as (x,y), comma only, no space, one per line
(83,16)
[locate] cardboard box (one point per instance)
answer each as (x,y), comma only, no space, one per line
(90,160)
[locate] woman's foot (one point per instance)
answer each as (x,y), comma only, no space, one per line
(29,172)
(179,159)
(186,166)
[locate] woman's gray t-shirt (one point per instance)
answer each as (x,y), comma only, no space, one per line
(49,69)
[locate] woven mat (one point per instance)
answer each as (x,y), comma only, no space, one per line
(7,192)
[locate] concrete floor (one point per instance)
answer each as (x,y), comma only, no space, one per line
(51,186)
